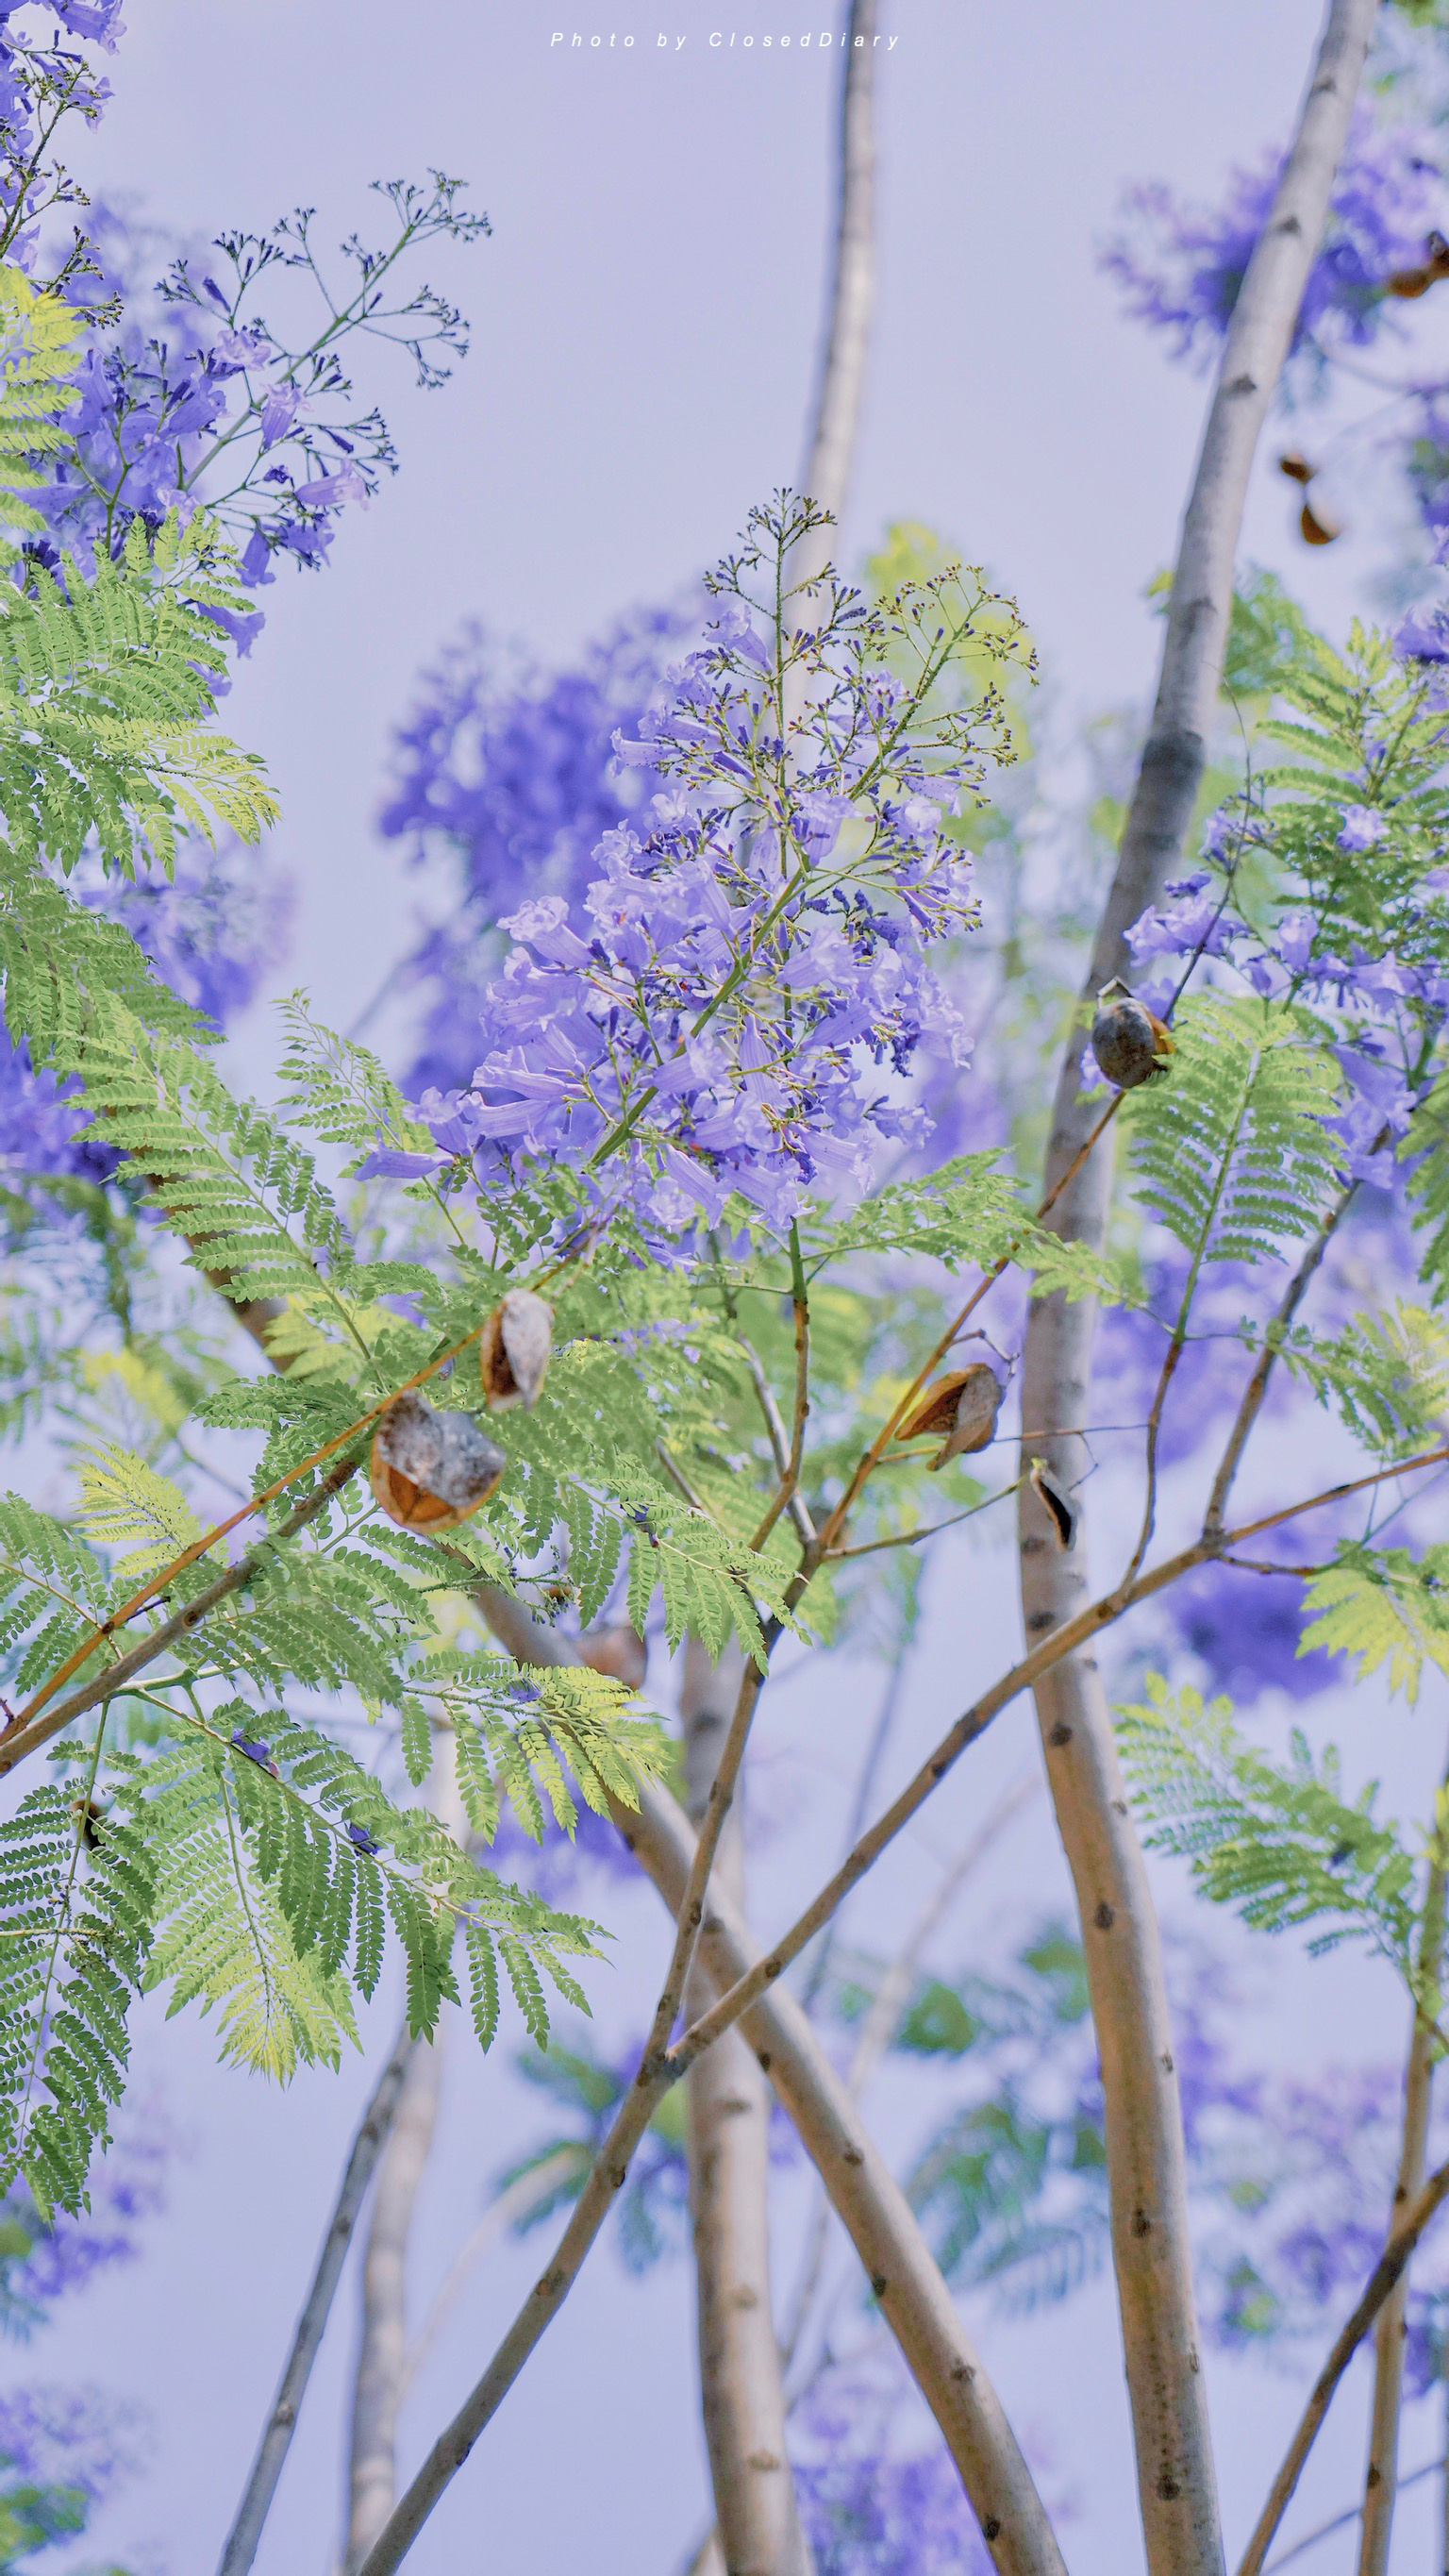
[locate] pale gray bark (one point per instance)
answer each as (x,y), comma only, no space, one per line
(1152,2255)
(728,2118)
(830,448)
(381,2373)
(382,2358)
(242,2540)
(914,2298)
(1381,2482)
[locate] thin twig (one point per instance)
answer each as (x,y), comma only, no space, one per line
(241,2542)
(789,1484)
(1381,2281)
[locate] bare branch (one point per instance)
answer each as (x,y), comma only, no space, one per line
(242,2540)
(1381,2282)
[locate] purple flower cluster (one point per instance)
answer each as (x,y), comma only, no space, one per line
(735,1004)
(71,2438)
(870,2512)
(1368,995)
(43,2259)
(1182,267)
(212,933)
(514,776)
(192,399)
(42,81)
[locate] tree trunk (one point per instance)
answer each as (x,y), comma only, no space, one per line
(383,2349)
(830,451)
(1145,2152)
(728,2115)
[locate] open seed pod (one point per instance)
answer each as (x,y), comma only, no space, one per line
(1130,1043)
(1318,524)
(1295,465)
(431,1470)
(514,1352)
(1058,1501)
(963,1407)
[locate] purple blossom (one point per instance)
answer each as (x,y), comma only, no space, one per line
(735,1000)
(1182,267)
(1362,828)
(76,2438)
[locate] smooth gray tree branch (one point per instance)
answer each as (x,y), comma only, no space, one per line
(241,2542)
(1145,2153)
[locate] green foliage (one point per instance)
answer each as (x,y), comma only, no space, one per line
(1387,1373)
(1231,1150)
(104,706)
(522,1733)
(1385,1607)
(77,1903)
(38,347)
(1282,1845)
(341,1093)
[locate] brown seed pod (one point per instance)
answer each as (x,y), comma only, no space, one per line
(963,1406)
(1296,466)
(1409,282)
(431,1470)
(513,1353)
(1319,525)
(1130,1043)
(1057,1500)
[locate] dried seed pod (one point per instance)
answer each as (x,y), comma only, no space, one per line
(1318,524)
(963,1406)
(514,1352)
(1130,1043)
(1057,1500)
(1295,465)
(431,1470)
(1436,251)
(1410,282)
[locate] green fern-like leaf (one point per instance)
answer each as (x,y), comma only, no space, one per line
(1386,1608)
(1232,1151)
(1281,1845)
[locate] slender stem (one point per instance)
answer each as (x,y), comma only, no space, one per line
(1257,1386)
(28,1730)
(1381,2281)
(242,2540)
(905,2280)
(880,2023)
(379,2377)
(514,2205)
(1382,2476)
(789,1484)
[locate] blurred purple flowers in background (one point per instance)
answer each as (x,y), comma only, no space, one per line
(1182,267)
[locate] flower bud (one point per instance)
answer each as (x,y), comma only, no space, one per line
(431,1470)
(513,1353)
(1129,1042)
(963,1406)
